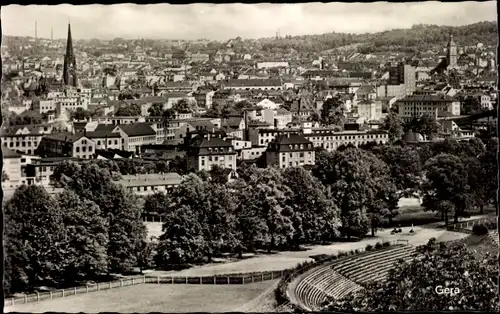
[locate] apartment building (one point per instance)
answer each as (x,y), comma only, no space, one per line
(66,145)
(330,140)
(290,150)
(135,136)
(417,105)
(206,151)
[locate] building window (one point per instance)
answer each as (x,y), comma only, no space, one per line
(77,149)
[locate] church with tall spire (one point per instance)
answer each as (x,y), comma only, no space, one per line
(69,68)
(452,55)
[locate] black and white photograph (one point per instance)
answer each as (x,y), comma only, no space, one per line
(250,157)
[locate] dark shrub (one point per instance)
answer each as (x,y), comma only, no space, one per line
(378,246)
(356,251)
(369,247)
(480,229)
(386,244)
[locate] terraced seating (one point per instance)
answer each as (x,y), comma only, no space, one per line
(494,236)
(374,266)
(339,278)
(313,290)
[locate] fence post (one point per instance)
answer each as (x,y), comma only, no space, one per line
(215,280)
(98,286)
(158,279)
(63,293)
(172,280)
(37,296)
(75,290)
(200,281)
(133,281)
(13,301)
(25,298)
(50,297)
(252,278)
(87,288)
(262,276)
(110,285)
(227,280)
(281,274)
(272,275)
(121,282)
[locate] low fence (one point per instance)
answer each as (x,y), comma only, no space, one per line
(226,279)
(238,279)
(466,226)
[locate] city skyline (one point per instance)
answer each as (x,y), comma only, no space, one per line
(224,21)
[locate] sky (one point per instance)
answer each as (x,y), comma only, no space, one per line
(225,21)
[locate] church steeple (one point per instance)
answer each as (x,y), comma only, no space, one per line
(69,70)
(452,56)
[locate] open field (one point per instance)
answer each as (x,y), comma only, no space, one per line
(156,298)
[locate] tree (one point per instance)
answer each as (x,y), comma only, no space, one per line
(156,205)
(489,180)
(405,167)
(471,105)
(411,285)
(118,207)
(156,110)
(218,220)
(331,107)
(315,216)
(446,180)
(35,257)
(219,175)
(145,254)
(183,239)
(356,178)
(87,237)
(129,111)
(243,105)
(179,165)
(184,106)
(426,125)
(394,126)
(80,114)
(264,212)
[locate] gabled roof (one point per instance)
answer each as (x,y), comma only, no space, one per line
(137,129)
(104,128)
(200,142)
(64,137)
(102,134)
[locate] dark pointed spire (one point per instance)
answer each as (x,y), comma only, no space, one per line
(69,74)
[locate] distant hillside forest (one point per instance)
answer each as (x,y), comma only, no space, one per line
(417,38)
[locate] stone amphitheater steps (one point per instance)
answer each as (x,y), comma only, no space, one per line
(366,270)
(341,277)
(356,260)
(369,269)
(322,284)
(494,236)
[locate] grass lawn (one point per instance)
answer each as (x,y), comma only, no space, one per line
(155,298)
